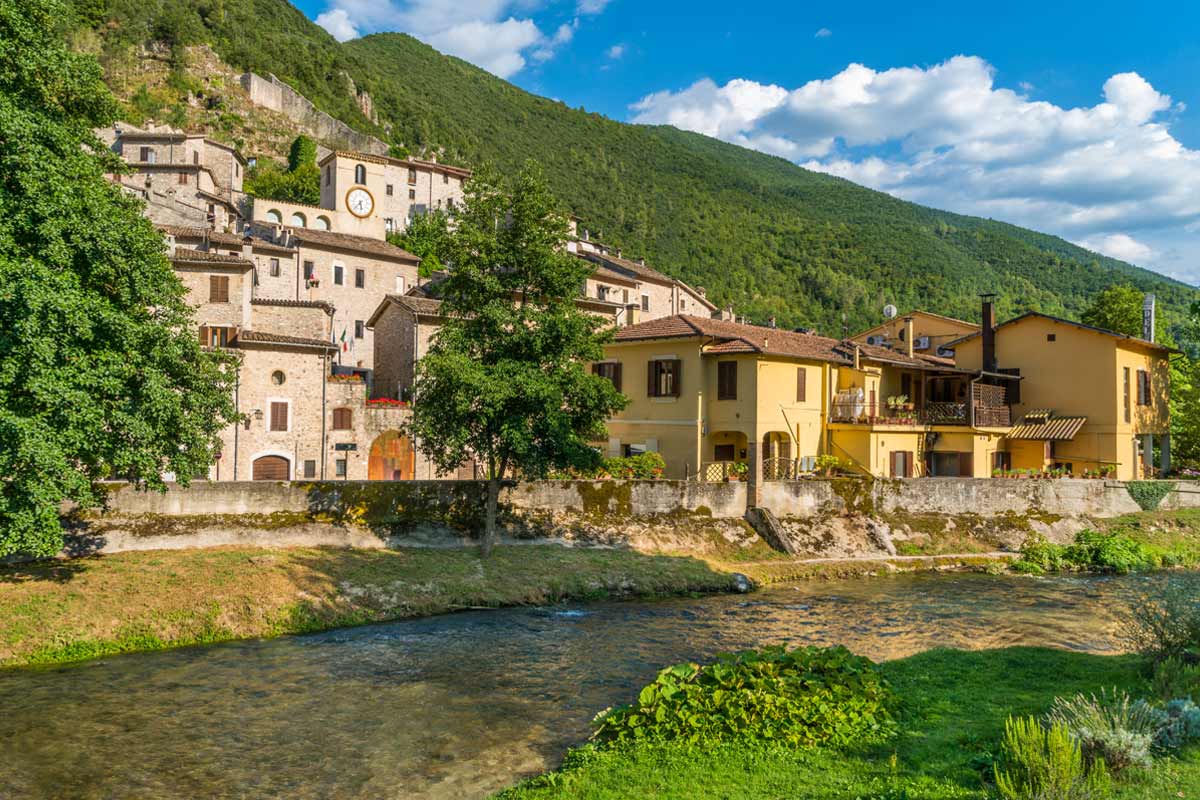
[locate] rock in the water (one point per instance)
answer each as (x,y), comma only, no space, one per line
(741,583)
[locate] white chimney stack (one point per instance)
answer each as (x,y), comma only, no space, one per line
(1148,318)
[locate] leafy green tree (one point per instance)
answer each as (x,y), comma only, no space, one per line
(427,236)
(302,153)
(101,372)
(507,378)
(1117,308)
(300,183)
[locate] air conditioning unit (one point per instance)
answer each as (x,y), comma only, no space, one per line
(945,352)
(876,340)
(921,343)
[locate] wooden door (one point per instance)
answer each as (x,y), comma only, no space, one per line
(392,458)
(271,468)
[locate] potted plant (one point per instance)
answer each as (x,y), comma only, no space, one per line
(827,465)
(739,471)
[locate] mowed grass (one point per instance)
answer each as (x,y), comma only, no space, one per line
(72,610)
(954,704)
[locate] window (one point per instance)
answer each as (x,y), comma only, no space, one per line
(195,157)
(949,465)
(298,220)
(339,468)
(216,336)
(310,469)
(1051,337)
(274,216)
(1144,398)
(322,223)
(279,415)
(727,380)
(1013,389)
(218,288)
(625,296)
(412,175)
(183,178)
(445,178)
(360,278)
(274,267)
(360,173)
(1127,395)
(328,172)
(389,225)
(412,194)
(610,370)
(1002,460)
(902,464)
(342,419)
(602,293)
(310,270)
(146,155)
(399,284)
(801,385)
(389,190)
(278,378)
(663,378)
(645,302)
(724,452)
(338,274)
(359,329)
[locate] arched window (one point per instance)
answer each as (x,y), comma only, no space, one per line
(321,223)
(298,220)
(274,216)
(360,174)
(343,419)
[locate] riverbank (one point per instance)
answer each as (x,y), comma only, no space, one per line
(954,704)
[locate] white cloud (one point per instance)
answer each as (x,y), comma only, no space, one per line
(498,35)
(1119,245)
(338,23)
(1110,174)
(616,51)
(823,33)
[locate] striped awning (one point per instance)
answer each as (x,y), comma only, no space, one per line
(1047,428)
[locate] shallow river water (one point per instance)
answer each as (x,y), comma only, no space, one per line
(462,705)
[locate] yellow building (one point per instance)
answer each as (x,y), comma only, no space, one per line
(711,395)
(930,332)
(1087,398)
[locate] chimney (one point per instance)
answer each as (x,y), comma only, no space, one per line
(771,321)
(857,357)
(700,290)
(727,313)
(248,248)
(988,323)
(908,336)
(633,314)
(1148,318)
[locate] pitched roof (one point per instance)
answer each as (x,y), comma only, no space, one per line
(1136,340)
(187,255)
(916,312)
(627,266)
(346,241)
(223,238)
(422,306)
(604,273)
(262,337)
(269,301)
(736,337)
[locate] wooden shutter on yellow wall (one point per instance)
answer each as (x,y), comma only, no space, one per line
(801,384)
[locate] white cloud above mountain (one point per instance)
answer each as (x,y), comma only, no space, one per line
(497,35)
(1110,174)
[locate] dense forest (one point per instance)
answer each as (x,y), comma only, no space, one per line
(755,230)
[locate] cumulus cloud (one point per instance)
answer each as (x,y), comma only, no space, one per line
(823,33)
(948,136)
(616,51)
(497,35)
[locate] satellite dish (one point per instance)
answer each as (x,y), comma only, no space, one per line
(890,311)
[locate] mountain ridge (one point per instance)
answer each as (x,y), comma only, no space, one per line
(755,230)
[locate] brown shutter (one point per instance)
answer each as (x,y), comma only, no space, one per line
(908,464)
(677,371)
(342,419)
(218,288)
(801,384)
(966,465)
(204,336)
(651,384)
(616,373)
(279,415)
(893,464)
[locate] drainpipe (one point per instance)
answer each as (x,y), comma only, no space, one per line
(971,401)
(324,385)
(237,406)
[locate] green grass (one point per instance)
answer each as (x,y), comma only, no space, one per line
(73,610)
(952,719)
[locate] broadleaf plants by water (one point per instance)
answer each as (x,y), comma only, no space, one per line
(1090,552)
(804,697)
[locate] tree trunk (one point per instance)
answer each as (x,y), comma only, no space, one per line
(489,530)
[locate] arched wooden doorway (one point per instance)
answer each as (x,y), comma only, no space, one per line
(392,458)
(271,468)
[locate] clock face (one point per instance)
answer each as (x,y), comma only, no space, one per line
(360,202)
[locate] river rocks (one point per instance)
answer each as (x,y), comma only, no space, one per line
(740,583)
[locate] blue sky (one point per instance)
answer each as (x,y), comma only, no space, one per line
(1080,119)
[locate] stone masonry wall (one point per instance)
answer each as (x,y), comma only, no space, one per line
(276,95)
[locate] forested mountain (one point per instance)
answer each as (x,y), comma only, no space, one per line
(755,230)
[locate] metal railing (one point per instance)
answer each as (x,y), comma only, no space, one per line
(934,413)
(718,471)
(788,469)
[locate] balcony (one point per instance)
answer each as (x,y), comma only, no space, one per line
(989,407)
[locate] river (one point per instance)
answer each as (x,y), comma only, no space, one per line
(459,706)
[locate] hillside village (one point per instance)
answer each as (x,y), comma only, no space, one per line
(331,319)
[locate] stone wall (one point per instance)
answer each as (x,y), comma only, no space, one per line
(272,93)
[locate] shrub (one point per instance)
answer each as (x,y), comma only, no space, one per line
(827,464)
(1038,763)
(804,697)
(1148,494)
(642,466)
(1039,555)
(1108,552)
(1181,724)
(1163,621)
(1174,678)
(1112,727)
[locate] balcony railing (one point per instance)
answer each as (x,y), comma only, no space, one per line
(987,413)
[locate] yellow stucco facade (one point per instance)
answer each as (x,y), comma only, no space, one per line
(938,329)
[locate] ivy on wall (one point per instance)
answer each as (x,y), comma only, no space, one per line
(1148,494)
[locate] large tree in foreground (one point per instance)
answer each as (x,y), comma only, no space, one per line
(101,372)
(507,380)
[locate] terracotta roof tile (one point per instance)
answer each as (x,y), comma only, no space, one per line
(269,301)
(262,337)
(625,265)
(346,241)
(224,239)
(1030,314)
(736,337)
(189,256)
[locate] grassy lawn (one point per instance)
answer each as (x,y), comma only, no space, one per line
(83,608)
(954,707)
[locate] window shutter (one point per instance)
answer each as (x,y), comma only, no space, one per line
(677,377)
(343,419)
(908,464)
(279,415)
(801,385)
(651,374)
(204,336)
(617,376)
(966,465)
